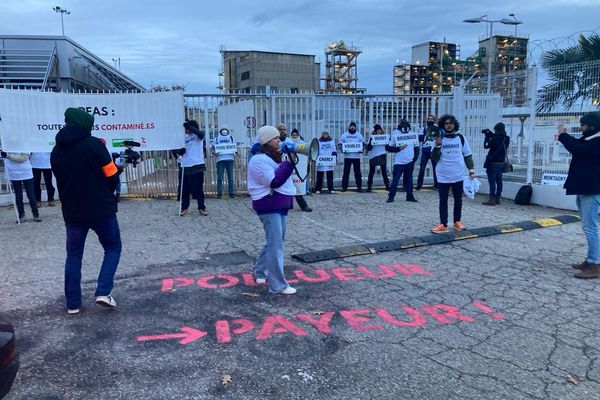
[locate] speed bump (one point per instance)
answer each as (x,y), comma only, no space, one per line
(410,243)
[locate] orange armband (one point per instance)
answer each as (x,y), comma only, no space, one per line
(109,169)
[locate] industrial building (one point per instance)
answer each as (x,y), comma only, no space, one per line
(57,63)
(253,71)
(341,68)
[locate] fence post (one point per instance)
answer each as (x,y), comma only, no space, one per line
(458,104)
(531,97)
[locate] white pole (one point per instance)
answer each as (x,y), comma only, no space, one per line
(489,50)
(532,92)
(14,199)
(181,188)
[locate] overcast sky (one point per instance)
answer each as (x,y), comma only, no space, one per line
(177,42)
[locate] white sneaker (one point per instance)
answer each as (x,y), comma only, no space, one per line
(261,281)
(332,192)
(73,311)
(106,301)
(318,192)
(288,290)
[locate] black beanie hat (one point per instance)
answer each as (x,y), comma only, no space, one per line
(499,127)
(295,131)
(352,124)
(591,119)
(377,127)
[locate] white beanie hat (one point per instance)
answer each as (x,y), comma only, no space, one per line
(267,133)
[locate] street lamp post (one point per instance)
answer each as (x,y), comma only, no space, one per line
(62,12)
(505,21)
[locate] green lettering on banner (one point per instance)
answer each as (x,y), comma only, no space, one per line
(119,142)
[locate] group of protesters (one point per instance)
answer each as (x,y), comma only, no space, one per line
(87,179)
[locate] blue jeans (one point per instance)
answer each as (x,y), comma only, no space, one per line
(407,181)
(18,187)
(425,157)
(270,261)
(221,167)
(494,173)
(107,229)
(588,206)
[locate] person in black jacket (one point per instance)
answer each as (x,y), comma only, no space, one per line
(583,181)
(86,177)
(497,142)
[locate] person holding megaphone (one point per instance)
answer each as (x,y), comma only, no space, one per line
(271,189)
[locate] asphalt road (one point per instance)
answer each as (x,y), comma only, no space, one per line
(489,318)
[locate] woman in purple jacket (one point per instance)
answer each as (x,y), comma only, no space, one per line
(272,192)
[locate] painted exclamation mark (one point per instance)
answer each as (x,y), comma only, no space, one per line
(488,310)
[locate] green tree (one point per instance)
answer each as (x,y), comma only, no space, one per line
(574,74)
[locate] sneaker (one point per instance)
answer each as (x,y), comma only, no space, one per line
(232,196)
(51,203)
(260,281)
(318,192)
(369,190)
(21,219)
(37,218)
(202,212)
(389,200)
(183,212)
(106,301)
(73,311)
(307,209)
(38,204)
(459,226)
(440,228)
(412,199)
(332,191)
(288,290)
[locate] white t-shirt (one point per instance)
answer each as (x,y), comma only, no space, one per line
(17,171)
(451,166)
(377,150)
(40,160)
(326,149)
(348,137)
(194,151)
(261,171)
(224,139)
(410,139)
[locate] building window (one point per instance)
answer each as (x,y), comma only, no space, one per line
(245,75)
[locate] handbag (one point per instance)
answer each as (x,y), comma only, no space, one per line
(508,167)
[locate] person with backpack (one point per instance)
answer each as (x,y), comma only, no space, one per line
(405,144)
(497,142)
(224,163)
(453,157)
(426,140)
(352,157)
(583,181)
(193,167)
(326,149)
(377,157)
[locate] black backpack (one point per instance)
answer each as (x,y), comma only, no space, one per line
(523,196)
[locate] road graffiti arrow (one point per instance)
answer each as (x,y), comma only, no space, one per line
(187,336)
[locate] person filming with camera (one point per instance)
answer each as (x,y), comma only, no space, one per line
(496,160)
(272,192)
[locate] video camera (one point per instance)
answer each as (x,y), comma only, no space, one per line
(128,156)
(487,132)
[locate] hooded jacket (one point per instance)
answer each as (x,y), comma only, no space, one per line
(86,175)
(584,170)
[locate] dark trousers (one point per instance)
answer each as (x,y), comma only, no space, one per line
(380,160)
(320,180)
(301,202)
(18,187)
(425,157)
(37,183)
(494,173)
(107,229)
(352,163)
(193,184)
(407,181)
(222,166)
(444,191)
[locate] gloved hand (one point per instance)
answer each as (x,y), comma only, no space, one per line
(3,154)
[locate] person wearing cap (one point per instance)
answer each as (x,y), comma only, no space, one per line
(427,139)
(453,157)
(326,149)
(404,143)
(224,163)
(351,159)
(193,167)
(497,142)
(272,192)
(86,178)
(583,181)
(377,157)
